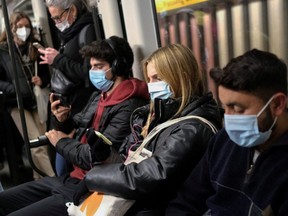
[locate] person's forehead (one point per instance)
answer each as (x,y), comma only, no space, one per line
(55,11)
(23,21)
(98,61)
(230,97)
(151,71)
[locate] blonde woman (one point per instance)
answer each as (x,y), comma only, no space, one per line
(176,90)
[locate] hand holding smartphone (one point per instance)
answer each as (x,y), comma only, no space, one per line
(63,102)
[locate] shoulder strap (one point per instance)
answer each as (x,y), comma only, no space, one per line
(36,68)
(82,41)
(82,36)
(166,124)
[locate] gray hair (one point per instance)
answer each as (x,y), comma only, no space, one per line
(81,5)
(64,4)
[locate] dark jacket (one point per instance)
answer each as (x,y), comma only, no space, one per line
(224,182)
(7,81)
(176,150)
(114,123)
(71,63)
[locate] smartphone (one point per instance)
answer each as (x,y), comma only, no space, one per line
(105,139)
(63,102)
(38,45)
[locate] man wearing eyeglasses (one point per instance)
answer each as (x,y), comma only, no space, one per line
(76,29)
(61,25)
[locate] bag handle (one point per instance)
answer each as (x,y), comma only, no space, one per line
(168,123)
(36,68)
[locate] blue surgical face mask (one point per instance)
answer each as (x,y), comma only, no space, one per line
(98,79)
(244,130)
(159,90)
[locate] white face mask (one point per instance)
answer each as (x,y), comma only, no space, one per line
(62,26)
(23,33)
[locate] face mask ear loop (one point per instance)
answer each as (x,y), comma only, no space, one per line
(273,123)
(108,70)
(68,14)
(266,105)
(114,76)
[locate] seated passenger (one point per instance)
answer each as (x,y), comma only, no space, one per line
(176,89)
(244,170)
(107,112)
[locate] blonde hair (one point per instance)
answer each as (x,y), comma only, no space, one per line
(176,65)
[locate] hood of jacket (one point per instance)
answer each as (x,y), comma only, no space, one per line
(164,110)
(127,89)
(76,27)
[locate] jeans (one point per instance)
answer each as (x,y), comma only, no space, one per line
(61,165)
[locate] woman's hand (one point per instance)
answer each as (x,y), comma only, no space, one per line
(60,112)
(48,55)
(36,80)
(54,136)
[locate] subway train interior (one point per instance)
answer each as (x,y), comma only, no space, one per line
(216,31)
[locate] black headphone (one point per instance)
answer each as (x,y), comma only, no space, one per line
(119,66)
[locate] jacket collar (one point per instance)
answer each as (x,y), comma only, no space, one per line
(166,109)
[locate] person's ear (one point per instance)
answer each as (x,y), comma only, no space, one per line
(279,104)
(73,11)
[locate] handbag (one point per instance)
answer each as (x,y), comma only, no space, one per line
(100,204)
(61,84)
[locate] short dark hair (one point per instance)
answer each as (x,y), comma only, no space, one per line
(258,72)
(101,49)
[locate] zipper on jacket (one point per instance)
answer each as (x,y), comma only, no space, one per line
(250,165)
(254,154)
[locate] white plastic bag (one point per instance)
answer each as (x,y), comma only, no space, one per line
(42,98)
(98,204)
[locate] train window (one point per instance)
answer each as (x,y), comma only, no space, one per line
(25,6)
(218,30)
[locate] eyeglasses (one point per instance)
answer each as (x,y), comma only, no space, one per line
(59,17)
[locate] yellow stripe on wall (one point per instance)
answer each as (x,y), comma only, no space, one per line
(165,5)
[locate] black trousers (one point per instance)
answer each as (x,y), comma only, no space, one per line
(46,196)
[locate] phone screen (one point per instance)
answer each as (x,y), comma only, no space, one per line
(38,46)
(63,102)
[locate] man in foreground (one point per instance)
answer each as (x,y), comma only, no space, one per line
(244,170)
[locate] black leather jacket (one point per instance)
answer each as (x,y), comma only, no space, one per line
(176,150)
(114,125)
